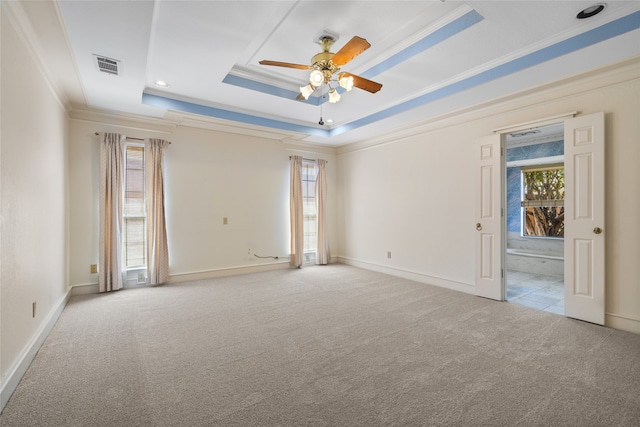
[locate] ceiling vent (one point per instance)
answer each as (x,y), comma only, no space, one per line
(525,133)
(107,65)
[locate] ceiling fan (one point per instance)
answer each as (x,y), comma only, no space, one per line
(326,64)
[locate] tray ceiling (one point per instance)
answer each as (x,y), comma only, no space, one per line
(432,57)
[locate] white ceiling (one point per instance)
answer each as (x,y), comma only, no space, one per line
(432,57)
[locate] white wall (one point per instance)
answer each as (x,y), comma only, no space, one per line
(415,196)
(209,175)
(411,198)
(33,186)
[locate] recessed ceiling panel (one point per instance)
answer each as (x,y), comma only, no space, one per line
(431,57)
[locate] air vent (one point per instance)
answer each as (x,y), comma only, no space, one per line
(107,65)
(525,133)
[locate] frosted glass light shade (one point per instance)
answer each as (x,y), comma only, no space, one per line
(306,91)
(334,96)
(346,82)
(316,78)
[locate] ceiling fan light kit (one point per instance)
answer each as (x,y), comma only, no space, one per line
(316,78)
(326,64)
(334,96)
(307,90)
(345,81)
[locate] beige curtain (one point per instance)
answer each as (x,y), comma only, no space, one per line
(322,250)
(110,271)
(157,249)
(295,208)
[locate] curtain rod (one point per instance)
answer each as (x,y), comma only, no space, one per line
(309,160)
(130,137)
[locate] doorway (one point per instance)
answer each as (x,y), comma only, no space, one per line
(584,234)
(534,250)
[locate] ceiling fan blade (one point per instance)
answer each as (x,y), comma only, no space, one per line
(364,84)
(286,64)
(353,48)
(299,97)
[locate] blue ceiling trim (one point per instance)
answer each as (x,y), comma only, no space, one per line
(203,110)
(612,29)
(269,89)
(451,29)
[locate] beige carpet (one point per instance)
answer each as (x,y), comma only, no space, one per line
(323,346)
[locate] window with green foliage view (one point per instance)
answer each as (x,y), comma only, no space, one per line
(543,201)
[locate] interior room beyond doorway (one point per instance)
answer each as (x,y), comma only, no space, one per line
(535,218)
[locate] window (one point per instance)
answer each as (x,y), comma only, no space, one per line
(135,219)
(543,201)
(309,211)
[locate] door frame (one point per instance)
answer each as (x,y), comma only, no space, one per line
(503,232)
(495,287)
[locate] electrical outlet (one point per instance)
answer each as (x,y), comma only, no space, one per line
(33,309)
(94,268)
(389,254)
(141,278)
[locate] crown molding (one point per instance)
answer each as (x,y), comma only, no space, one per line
(123,120)
(173,120)
(227,126)
(308,147)
(589,81)
(593,80)
(406,42)
(272,79)
(17,16)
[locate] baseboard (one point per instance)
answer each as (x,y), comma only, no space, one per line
(30,351)
(229,271)
(92,288)
(411,275)
(84,289)
(623,323)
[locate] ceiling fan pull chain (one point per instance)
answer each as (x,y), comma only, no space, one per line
(321,122)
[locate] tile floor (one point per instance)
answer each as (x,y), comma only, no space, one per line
(536,291)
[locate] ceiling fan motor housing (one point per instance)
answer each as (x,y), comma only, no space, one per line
(322,61)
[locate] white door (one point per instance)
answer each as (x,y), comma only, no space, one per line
(489,220)
(584,218)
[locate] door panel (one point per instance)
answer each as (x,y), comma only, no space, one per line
(584,269)
(489,221)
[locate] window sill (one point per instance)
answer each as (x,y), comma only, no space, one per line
(541,237)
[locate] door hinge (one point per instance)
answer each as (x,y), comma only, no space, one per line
(501,211)
(502,273)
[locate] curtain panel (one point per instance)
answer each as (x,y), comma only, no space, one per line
(295,212)
(112,164)
(157,248)
(322,250)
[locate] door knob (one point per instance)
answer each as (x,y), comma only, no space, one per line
(597,230)
(478,226)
